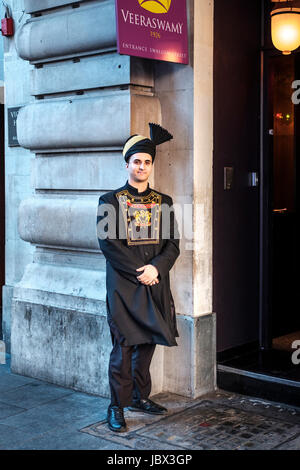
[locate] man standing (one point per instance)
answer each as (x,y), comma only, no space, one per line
(138,235)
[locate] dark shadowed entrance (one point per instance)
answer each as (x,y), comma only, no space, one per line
(256,137)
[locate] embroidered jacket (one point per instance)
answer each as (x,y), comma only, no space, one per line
(135,229)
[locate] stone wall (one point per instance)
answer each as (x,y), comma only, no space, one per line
(18,161)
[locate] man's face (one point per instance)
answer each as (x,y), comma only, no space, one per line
(139,167)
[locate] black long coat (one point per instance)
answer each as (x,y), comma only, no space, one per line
(138,313)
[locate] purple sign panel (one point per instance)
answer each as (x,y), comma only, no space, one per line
(155,29)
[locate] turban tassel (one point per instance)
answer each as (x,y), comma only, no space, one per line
(158,134)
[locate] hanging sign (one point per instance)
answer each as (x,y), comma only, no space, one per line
(154,29)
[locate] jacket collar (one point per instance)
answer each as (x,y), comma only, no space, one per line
(134,191)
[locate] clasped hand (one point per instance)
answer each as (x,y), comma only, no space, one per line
(149,276)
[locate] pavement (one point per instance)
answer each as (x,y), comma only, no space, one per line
(37,415)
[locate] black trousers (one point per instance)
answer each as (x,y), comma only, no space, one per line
(128,372)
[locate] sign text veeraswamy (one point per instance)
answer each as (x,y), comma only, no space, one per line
(155,35)
(154,23)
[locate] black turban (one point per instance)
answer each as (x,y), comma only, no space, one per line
(141,144)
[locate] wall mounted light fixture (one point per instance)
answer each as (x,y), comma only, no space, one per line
(285,25)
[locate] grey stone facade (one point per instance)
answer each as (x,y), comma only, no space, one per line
(18,161)
(80,100)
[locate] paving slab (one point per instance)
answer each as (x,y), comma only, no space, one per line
(60,438)
(10,381)
(291,444)
(9,436)
(7,410)
(33,393)
(74,408)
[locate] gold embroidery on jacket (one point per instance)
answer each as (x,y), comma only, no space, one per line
(141,217)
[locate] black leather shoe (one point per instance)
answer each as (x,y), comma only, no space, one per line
(147,406)
(115,419)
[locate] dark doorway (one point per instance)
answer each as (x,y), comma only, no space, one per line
(285,322)
(257,323)
(236,156)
